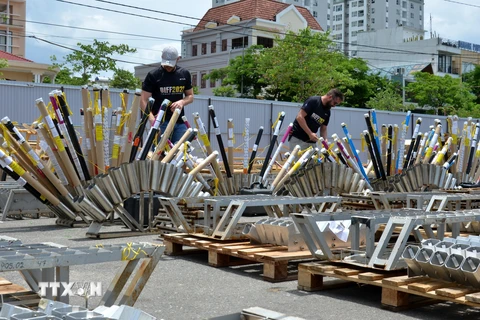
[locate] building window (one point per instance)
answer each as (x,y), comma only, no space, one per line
(373,20)
(315,14)
(194,80)
(239,42)
(194,50)
(265,42)
(213,47)
(212,83)
(412,6)
(203,81)
(6,41)
(224,45)
(204,48)
(3,14)
(412,15)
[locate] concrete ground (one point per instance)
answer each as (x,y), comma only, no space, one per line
(186,287)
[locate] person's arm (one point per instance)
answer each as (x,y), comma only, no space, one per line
(183,102)
(323,132)
(143,104)
(303,124)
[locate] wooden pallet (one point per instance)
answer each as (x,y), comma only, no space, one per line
(275,259)
(399,292)
(17,295)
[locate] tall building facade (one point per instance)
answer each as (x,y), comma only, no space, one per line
(12,26)
(346,18)
(349,17)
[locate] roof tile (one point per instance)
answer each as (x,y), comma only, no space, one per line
(12,57)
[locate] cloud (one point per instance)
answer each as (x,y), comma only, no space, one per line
(450,20)
(148,50)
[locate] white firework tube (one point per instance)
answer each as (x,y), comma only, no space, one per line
(245,145)
(439,157)
(230,145)
(277,152)
(432,144)
(295,167)
(286,166)
(56,166)
(203,134)
(461,149)
(106,136)
(403,136)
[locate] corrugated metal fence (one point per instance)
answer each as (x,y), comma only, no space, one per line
(17,101)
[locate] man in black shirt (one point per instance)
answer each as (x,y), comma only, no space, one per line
(171,82)
(314,114)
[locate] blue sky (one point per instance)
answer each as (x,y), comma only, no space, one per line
(449,19)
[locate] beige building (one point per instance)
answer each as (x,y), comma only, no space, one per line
(21,69)
(226,31)
(12,26)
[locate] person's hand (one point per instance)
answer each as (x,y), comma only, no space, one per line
(177,105)
(313,137)
(151,118)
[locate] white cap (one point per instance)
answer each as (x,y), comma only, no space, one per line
(169,57)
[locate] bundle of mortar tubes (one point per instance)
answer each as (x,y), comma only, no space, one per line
(91,177)
(440,158)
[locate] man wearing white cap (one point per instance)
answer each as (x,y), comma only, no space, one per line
(171,82)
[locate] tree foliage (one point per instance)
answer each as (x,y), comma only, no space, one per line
(444,94)
(89,60)
(125,79)
(3,64)
(296,67)
(224,91)
(472,78)
(386,99)
(242,74)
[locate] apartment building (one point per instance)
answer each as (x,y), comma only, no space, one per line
(12,26)
(346,18)
(350,17)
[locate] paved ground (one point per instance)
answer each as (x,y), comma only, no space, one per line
(185,287)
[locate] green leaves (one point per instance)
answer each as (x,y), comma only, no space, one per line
(445,94)
(89,60)
(125,79)
(3,64)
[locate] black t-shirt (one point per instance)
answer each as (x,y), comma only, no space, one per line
(167,85)
(317,115)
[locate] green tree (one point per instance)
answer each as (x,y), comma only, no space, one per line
(387,99)
(361,84)
(472,78)
(224,91)
(125,79)
(91,59)
(296,67)
(242,74)
(300,65)
(3,64)
(443,94)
